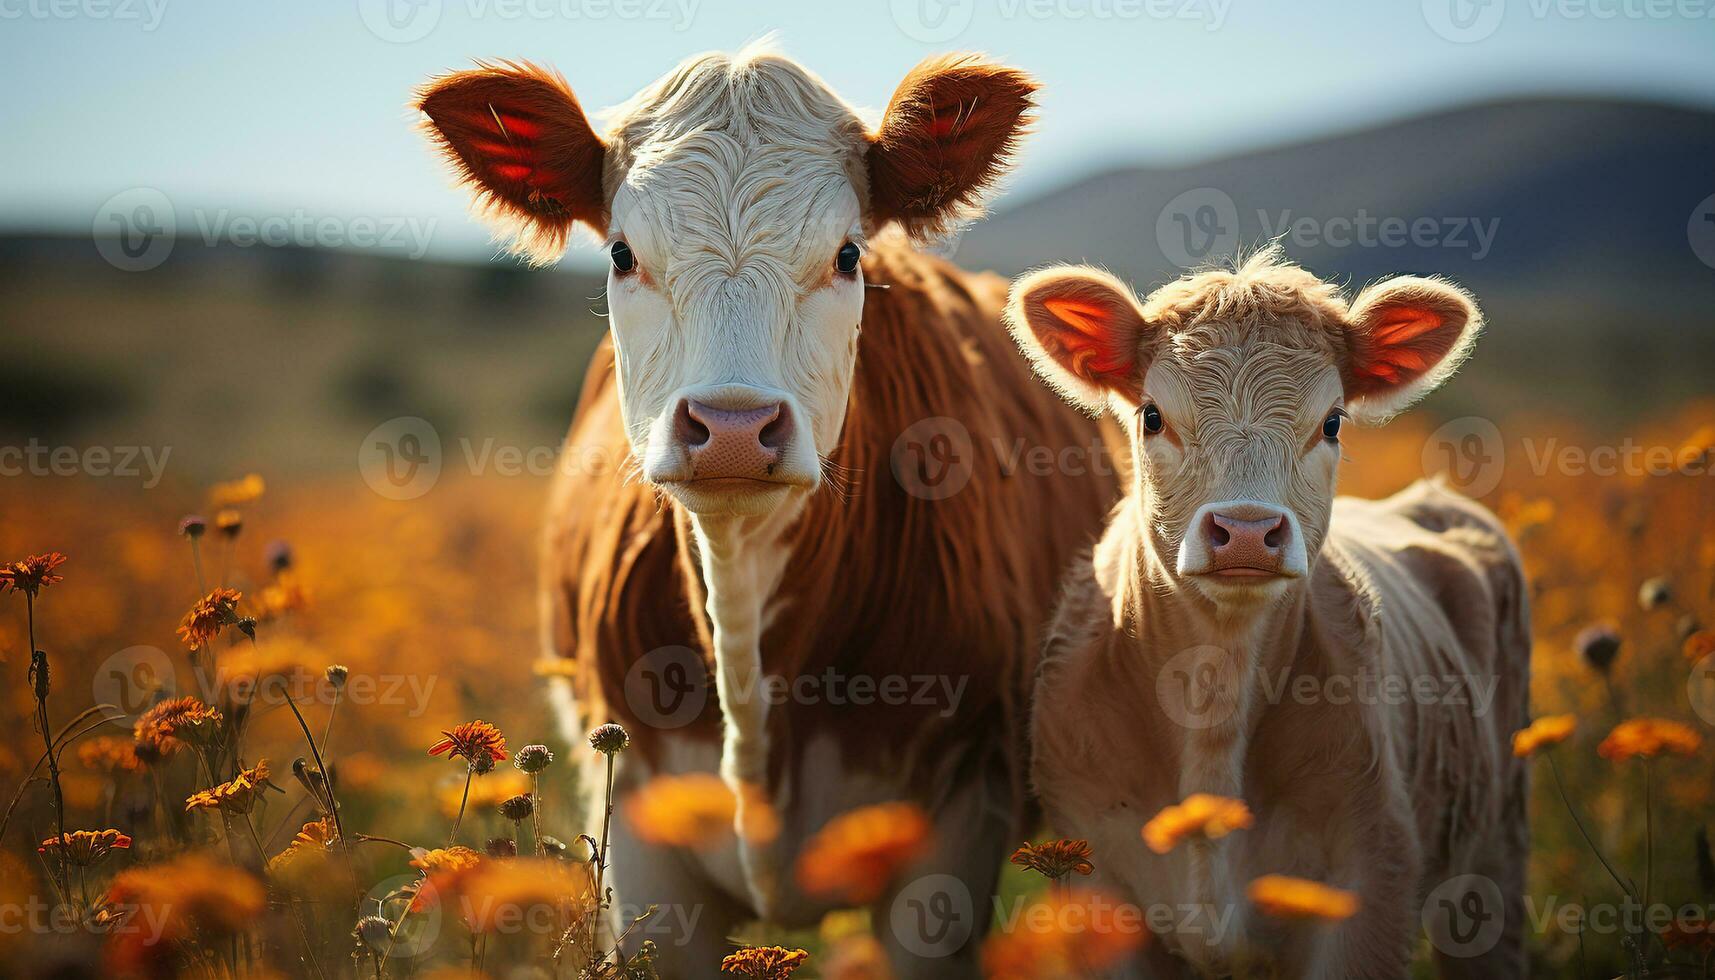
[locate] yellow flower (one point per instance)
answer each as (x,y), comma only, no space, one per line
(1285,897)
(455,858)
(1543,733)
(764,962)
(1649,737)
(696,810)
(1200,815)
(1055,858)
(236,795)
(86,847)
(236,493)
(858,853)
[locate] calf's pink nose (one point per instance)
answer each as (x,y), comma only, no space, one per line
(1239,543)
(738,443)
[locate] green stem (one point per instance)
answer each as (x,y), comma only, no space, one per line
(1576,822)
(606,824)
(469,773)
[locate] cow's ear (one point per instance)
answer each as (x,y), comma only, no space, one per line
(949,132)
(1084,332)
(516,135)
(1405,337)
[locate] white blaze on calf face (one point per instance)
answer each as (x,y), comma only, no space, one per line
(734,317)
(734,195)
(1234,385)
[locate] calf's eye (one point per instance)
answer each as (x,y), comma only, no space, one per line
(1151,418)
(846,259)
(1331,427)
(623,260)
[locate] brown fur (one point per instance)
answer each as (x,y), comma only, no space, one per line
(515,134)
(880,582)
(950,131)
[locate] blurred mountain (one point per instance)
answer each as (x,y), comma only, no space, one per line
(1569,219)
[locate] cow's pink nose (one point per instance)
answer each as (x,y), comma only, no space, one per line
(1239,545)
(733,443)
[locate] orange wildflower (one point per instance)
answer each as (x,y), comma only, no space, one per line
(696,810)
(858,853)
(455,858)
(1696,936)
(86,847)
(211,614)
(33,574)
(1285,897)
(495,895)
(1055,858)
(471,741)
(764,962)
(1066,935)
(192,898)
(110,755)
(1200,815)
(1649,737)
(165,727)
(1543,733)
(236,795)
(1699,645)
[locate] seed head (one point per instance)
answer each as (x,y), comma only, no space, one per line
(533,758)
(516,808)
(336,675)
(193,526)
(609,739)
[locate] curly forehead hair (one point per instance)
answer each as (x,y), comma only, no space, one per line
(1262,295)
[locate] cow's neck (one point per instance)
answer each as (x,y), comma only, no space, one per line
(742,560)
(1180,635)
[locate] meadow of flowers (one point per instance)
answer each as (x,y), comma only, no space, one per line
(285,735)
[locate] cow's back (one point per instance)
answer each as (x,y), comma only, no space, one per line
(1442,600)
(947,569)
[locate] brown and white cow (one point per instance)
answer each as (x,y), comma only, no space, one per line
(1350,669)
(777,351)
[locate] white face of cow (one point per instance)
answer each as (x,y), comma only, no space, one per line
(735,194)
(1234,386)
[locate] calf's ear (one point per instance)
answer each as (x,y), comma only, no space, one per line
(516,135)
(1406,336)
(949,132)
(1083,331)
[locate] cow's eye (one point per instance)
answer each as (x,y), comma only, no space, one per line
(623,260)
(1151,418)
(846,259)
(1331,426)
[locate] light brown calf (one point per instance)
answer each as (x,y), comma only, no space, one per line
(1351,669)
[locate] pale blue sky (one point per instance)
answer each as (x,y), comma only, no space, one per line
(297,107)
